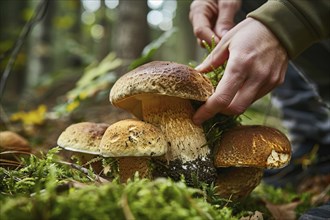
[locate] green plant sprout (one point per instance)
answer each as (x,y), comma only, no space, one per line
(217,72)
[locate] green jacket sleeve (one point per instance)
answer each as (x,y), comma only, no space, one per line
(296,23)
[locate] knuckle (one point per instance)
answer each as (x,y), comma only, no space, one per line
(222,100)
(224,22)
(236,109)
(198,31)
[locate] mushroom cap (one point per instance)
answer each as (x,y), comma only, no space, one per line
(133,138)
(11,141)
(253,146)
(84,137)
(159,78)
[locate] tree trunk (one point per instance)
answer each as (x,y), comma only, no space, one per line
(39,54)
(132,31)
(186,40)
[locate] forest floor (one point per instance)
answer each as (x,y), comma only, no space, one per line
(44,137)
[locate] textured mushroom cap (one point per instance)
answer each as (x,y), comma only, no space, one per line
(253,146)
(10,141)
(160,78)
(131,137)
(84,137)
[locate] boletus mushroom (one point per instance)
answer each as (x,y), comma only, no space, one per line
(83,140)
(12,145)
(161,93)
(242,155)
(133,143)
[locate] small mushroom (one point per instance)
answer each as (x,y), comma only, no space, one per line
(133,143)
(83,139)
(242,155)
(12,145)
(160,93)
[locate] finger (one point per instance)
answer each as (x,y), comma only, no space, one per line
(273,83)
(202,16)
(226,90)
(227,12)
(216,58)
(244,97)
(255,88)
(202,29)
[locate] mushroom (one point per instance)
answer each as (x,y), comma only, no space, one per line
(133,143)
(11,145)
(161,93)
(242,155)
(83,139)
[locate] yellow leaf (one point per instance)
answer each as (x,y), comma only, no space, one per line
(34,117)
(72,105)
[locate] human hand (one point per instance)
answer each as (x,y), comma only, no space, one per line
(256,64)
(211,18)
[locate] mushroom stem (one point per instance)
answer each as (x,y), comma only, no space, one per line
(129,165)
(173,115)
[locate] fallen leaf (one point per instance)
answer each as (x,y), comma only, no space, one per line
(283,211)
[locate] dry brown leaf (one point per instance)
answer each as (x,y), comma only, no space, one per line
(283,211)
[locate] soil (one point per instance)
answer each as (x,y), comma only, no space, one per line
(194,172)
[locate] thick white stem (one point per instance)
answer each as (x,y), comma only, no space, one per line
(174,117)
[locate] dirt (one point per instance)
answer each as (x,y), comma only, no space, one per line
(194,172)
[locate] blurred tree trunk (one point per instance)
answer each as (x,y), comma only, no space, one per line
(132,30)
(39,54)
(186,40)
(104,44)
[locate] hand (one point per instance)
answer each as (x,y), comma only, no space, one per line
(256,64)
(211,19)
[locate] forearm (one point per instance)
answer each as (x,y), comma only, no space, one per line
(296,23)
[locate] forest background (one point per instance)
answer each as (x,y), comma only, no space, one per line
(47,46)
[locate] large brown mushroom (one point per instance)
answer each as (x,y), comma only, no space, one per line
(83,140)
(161,93)
(133,143)
(242,155)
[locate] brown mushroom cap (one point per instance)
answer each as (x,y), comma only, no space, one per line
(159,78)
(84,137)
(253,146)
(10,141)
(132,138)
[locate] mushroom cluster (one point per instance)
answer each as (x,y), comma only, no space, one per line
(130,141)
(160,93)
(162,140)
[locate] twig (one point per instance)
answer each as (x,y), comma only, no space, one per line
(38,15)
(127,211)
(85,171)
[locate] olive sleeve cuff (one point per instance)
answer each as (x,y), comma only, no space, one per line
(297,24)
